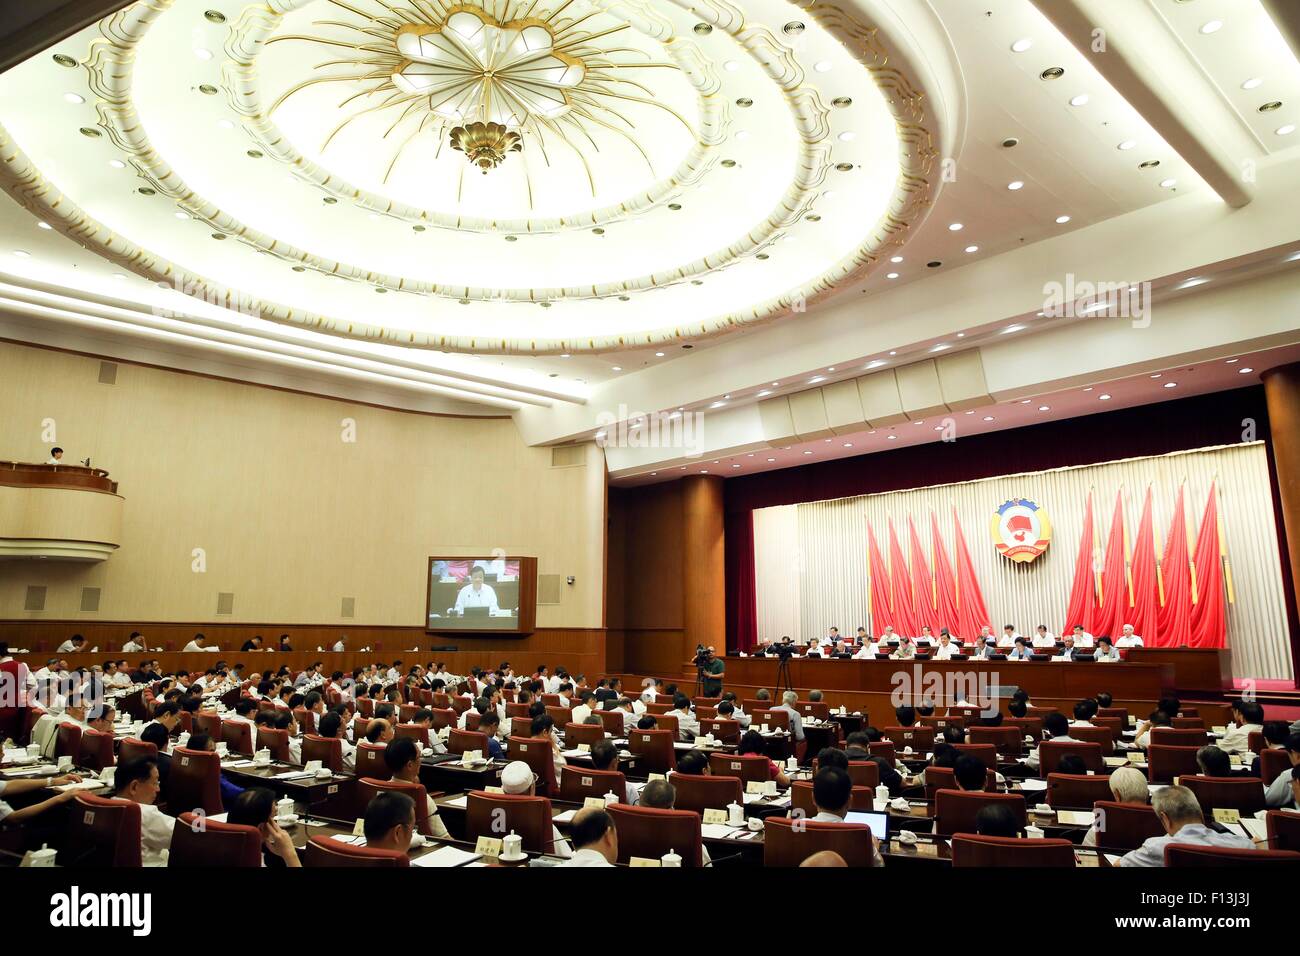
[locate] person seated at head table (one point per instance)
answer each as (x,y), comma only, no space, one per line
(1127,638)
(1008,636)
(1043,637)
(945,650)
(1021,650)
(906,649)
(1180,814)
(1106,651)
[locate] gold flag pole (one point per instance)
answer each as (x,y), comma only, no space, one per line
(1191,551)
(1096,572)
(1223,547)
(1128,558)
(1159,555)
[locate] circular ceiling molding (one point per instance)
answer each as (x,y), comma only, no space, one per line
(622,112)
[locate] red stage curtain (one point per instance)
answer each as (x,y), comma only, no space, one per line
(1083,594)
(881,612)
(1113,613)
(945,584)
(972,613)
(1146,593)
(742,612)
(901,588)
(1209,627)
(923,586)
(1175,620)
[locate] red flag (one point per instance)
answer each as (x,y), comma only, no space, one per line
(881,613)
(923,587)
(1209,627)
(945,584)
(1112,615)
(1146,591)
(1083,595)
(972,613)
(901,590)
(1175,619)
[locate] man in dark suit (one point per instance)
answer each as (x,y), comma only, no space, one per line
(858,747)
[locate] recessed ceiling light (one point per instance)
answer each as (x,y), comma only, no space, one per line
(1044,408)
(972,248)
(1052,73)
(848,444)
(1080,100)
(876,363)
(1149,164)
(892,437)
(653,473)
(988,418)
(1062,220)
(847,136)
(117,164)
(22,254)
(618,368)
(1253,83)
(1103,397)
(1168,183)
(1012,328)
(1286,130)
(895,258)
(659,355)
(1244,371)
(1017,184)
(1171,384)
(1156,375)
(765,392)
(731,66)
(831,369)
(565,355)
(893,353)
(955,227)
(941,347)
(43,225)
(793,28)
(807,453)
(775,384)
(1088,389)
(771,459)
(1127,144)
(202,54)
(735,466)
(961,335)
(1021,45)
(822,66)
(918,423)
(1189,283)
(717,404)
(74,98)
(1211,26)
(892,275)
(600,434)
(1025,401)
(816,378)
(1230,361)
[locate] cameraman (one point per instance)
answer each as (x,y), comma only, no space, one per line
(711,669)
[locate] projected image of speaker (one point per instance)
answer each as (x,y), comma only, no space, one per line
(490,595)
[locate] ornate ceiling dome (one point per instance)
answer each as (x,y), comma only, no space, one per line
(510,175)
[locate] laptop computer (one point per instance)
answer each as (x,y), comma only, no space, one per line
(879,823)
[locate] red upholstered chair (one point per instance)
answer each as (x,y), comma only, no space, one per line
(208,723)
(214,844)
(702,712)
(1188,854)
(550,700)
(656,708)
(1283,830)
(460,705)
(955,810)
(700,792)
(969,849)
(801,798)
(655,748)
(864,773)
(460,741)
(1120,712)
(650,833)
(424,697)
(918,738)
(1272,764)
(370,787)
(1115,725)
(365,707)
(130,748)
(1190,712)
(749,767)
(884,750)
(517,710)
(322,851)
(1076,791)
(1165,763)
(706,701)
(987,754)
(814,708)
(359,725)
(749,705)
(1187,722)
(416,732)
(444,717)
(276,741)
(406,712)
(68,741)
(328,750)
(668,722)
(579,783)
(1040,712)
(1125,826)
(727,731)
(472,717)
(370,761)
(1179,737)
(187,722)
(96,750)
(540,756)
(238,736)
(1050,753)
(938,722)
(1028,726)
(575,734)
(775,719)
(102,832)
(1101,736)
(612,721)
(193,781)
(559,713)
(306,719)
(497,814)
(1245,794)
(1008,741)
(944,778)
(786,845)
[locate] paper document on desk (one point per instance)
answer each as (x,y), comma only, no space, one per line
(445,856)
(1032,784)
(719,831)
(565,817)
(462,802)
(1255,829)
(293,775)
(1074,818)
(1112,858)
(84,785)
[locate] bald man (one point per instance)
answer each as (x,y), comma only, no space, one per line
(595,841)
(824,858)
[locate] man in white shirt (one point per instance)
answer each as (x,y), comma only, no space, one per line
(945,650)
(1058,729)
(1043,637)
(135,644)
(1082,638)
(517,777)
(1128,638)
(688,727)
(1184,823)
(889,636)
(476,594)
(595,840)
(986,636)
(868,651)
(56,456)
(927,637)
(341,644)
(583,710)
(1247,718)
(72,645)
(137,780)
(198,644)
(1009,635)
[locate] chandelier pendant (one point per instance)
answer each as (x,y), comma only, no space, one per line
(485,145)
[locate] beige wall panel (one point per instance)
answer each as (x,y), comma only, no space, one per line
(880,402)
(962,381)
(778,423)
(918,388)
(844,407)
(808,410)
(290,515)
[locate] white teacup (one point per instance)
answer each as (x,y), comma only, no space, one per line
(769,788)
(755,823)
(1033,832)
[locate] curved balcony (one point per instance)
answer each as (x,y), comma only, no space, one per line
(61,512)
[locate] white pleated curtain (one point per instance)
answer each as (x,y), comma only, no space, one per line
(811,568)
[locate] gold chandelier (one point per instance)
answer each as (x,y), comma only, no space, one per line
(485,144)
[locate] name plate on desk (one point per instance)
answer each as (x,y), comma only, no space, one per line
(359,828)
(715,816)
(593,803)
(584,748)
(488,847)
(493,790)
(755,786)
(656,776)
(1222,815)
(642,861)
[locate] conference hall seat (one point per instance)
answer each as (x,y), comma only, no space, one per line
(194,781)
(208,723)
(748,767)
(96,750)
(101,832)
(727,731)
(497,814)
(370,787)
(955,810)
(968,850)
(700,792)
(1186,854)
(370,761)
(944,778)
(655,749)
(130,748)
(1243,794)
(1165,763)
(238,736)
(1050,753)
(1283,830)
(276,741)
(650,833)
(579,783)
(322,851)
(461,741)
(1007,741)
(213,844)
(788,845)
(1076,791)
(1180,737)
(1101,736)
(539,755)
(802,801)
(920,739)
(328,750)
(1125,826)
(589,734)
